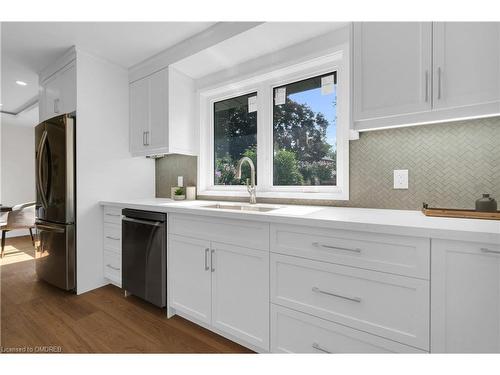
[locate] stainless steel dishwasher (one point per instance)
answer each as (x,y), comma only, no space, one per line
(144,255)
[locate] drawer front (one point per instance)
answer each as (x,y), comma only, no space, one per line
(113,267)
(252,234)
(112,215)
(296,332)
(113,238)
(394,307)
(400,255)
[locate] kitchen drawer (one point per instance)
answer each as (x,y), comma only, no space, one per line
(296,332)
(394,307)
(112,215)
(113,237)
(113,267)
(251,234)
(400,255)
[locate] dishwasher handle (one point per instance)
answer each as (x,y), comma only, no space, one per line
(146,222)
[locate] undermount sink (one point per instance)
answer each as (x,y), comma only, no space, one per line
(241,207)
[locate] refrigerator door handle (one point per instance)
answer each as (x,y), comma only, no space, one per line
(41,148)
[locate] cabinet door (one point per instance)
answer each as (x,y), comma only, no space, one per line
(392,68)
(190,277)
(240,293)
(465,297)
(466,63)
(139,114)
(52,97)
(158,121)
(67,83)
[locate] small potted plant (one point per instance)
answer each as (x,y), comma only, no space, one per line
(179,194)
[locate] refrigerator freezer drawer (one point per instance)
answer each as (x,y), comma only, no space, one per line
(55,257)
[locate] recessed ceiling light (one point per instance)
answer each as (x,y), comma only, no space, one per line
(21,83)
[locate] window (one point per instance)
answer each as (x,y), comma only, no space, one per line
(292,122)
(304,132)
(235,136)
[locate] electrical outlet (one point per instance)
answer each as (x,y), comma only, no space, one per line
(401,179)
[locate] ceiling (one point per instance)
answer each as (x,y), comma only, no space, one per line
(28,47)
(256,42)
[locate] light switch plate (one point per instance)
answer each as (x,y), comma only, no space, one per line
(401,179)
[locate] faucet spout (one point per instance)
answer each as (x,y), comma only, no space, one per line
(250,187)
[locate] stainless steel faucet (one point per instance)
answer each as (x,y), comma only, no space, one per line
(251,186)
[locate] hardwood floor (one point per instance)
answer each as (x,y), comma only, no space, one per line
(35,314)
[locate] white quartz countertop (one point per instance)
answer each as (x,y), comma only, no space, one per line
(402,222)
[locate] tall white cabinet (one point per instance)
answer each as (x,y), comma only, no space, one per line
(421,72)
(465,297)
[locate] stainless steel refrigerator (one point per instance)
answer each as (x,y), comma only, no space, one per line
(55,256)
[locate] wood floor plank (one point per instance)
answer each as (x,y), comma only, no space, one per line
(35,314)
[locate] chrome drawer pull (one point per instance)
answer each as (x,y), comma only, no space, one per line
(113,215)
(317,244)
(206,259)
(317,347)
(113,238)
(113,268)
(489,251)
(318,290)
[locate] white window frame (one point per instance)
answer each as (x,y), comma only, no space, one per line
(264,85)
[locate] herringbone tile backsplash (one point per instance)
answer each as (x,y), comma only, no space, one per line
(450,165)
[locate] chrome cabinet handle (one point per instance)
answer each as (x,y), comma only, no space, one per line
(207,267)
(317,244)
(318,290)
(489,251)
(113,268)
(212,260)
(439,82)
(113,215)
(426,86)
(318,347)
(56,105)
(113,238)
(144,138)
(147,138)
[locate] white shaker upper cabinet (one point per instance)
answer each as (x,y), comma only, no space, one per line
(161,114)
(139,115)
(466,64)
(465,297)
(58,93)
(392,68)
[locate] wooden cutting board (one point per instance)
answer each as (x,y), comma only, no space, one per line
(457,213)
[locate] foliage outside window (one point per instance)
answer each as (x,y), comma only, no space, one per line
(304,132)
(235,136)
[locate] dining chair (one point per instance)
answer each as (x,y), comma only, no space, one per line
(22,216)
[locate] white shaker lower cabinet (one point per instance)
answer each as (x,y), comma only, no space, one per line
(240,293)
(296,332)
(390,306)
(190,277)
(218,284)
(465,315)
(112,245)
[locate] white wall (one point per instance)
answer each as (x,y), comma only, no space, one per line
(105,169)
(17,166)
